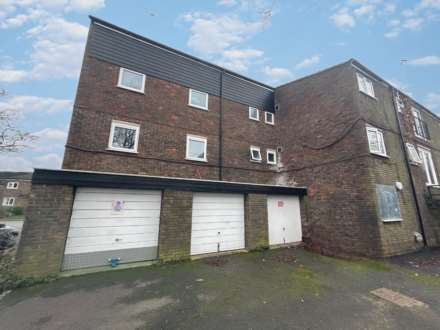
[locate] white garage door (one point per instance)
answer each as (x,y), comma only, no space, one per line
(217,223)
(284,219)
(112,223)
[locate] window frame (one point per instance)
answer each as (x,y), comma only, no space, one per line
(275,157)
(379,133)
(199,139)
(195,105)
(258,149)
(258,113)
(123,124)
(120,85)
(363,81)
(429,167)
(412,151)
(12,185)
(273,118)
(6,200)
(417,115)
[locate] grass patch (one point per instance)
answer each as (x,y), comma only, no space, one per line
(303,279)
(358,265)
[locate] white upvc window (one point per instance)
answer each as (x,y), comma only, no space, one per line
(198,99)
(414,156)
(419,126)
(376,141)
(8,201)
(365,85)
(428,165)
(255,154)
(124,136)
(12,185)
(254,113)
(269,118)
(196,148)
(271,156)
(131,80)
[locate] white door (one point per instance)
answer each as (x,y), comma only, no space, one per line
(284,219)
(112,223)
(217,223)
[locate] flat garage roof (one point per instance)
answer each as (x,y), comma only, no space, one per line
(130,181)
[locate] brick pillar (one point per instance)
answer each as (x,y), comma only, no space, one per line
(175,225)
(41,248)
(256,225)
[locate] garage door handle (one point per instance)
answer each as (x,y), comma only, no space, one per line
(118,239)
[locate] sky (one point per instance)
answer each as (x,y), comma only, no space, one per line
(273,41)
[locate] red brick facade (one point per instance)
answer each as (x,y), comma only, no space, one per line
(320,127)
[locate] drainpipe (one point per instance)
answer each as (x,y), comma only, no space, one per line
(408,167)
(220,128)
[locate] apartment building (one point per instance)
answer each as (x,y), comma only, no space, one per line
(15,188)
(170,156)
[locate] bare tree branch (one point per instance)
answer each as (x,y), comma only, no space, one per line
(12,139)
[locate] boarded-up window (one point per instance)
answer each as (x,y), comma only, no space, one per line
(388,201)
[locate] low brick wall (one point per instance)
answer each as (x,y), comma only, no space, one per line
(256,226)
(41,247)
(175,225)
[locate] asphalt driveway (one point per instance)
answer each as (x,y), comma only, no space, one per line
(278,289)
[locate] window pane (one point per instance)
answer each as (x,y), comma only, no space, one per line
(255,154)
(271,157)
(124,137)
(132,79)
(269,117)
(199,99)
(388,202)
(254,113)
(196,149)
(374,141)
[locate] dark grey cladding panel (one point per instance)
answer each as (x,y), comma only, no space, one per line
(134,54)
(240,90)
(121,49)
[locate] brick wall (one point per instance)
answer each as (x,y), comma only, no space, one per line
(21,194)
(175,225)
(165,119)
(44,234)
(256,225)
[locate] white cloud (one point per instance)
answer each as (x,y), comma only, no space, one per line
(50,160)
(36,104)
(430,4)
(413,23)
(13,162)
(85,5)
(212,33)
(20,19)
(426,60)
(57,48)
(343,19)
(277,74)
(364,10)
(228,3)
(433,101)
(11,75)
(392,34)
(310,61)
(49,140)
(239,59)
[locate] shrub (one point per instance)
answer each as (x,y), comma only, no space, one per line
(9,279)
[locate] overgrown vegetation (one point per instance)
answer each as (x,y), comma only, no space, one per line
(9,279)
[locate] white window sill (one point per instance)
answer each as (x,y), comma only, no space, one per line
(380,155)
(271,163)
(196,160)
(131,89)
(415,163)
(197,107)
(392,220)
(254,119)
(421,138)
(272,124)
(255,161)
(373,97)
(123,150)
